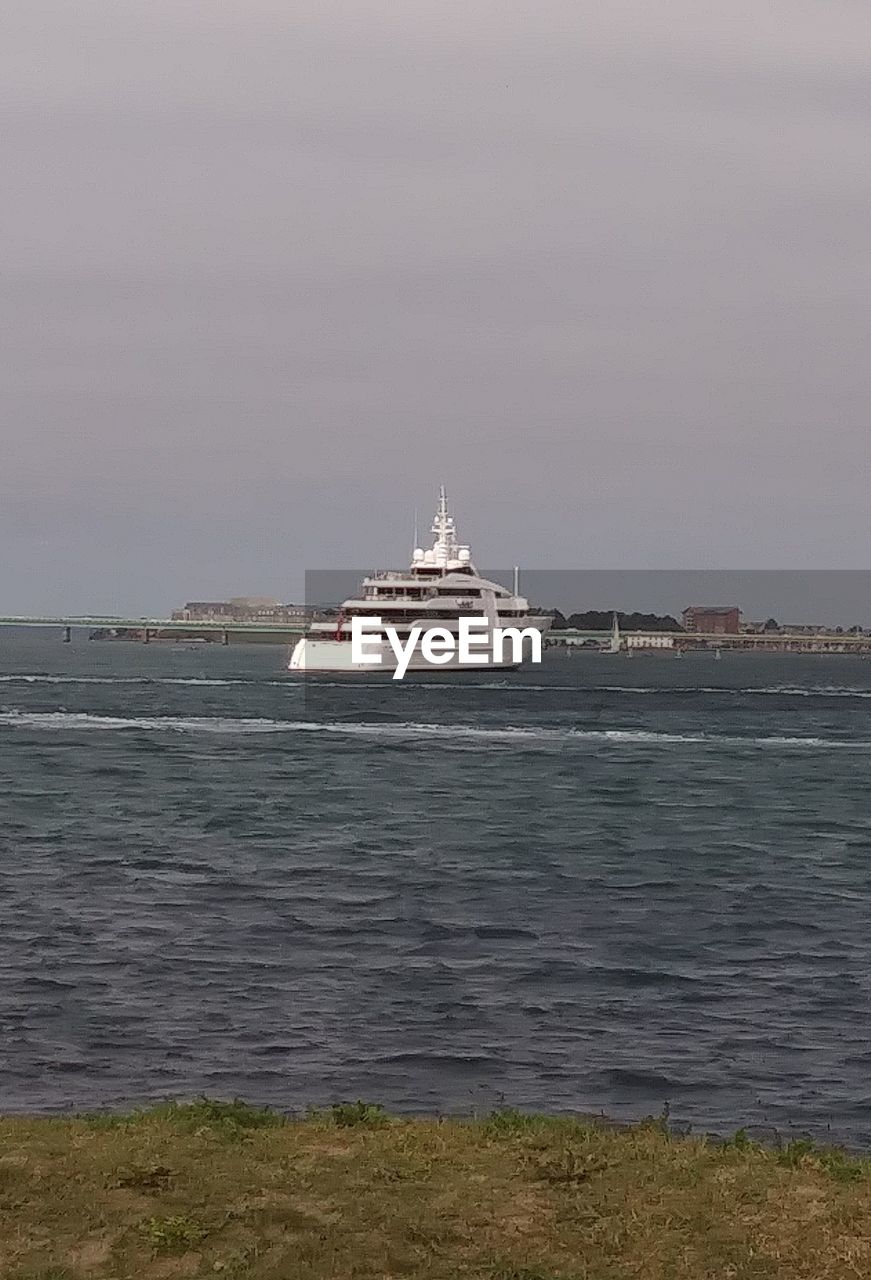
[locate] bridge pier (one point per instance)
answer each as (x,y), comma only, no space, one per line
(146,636)
(68,635)
(225,638)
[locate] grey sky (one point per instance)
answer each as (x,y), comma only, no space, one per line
(271,271)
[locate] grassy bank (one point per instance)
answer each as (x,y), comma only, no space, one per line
(212,1189)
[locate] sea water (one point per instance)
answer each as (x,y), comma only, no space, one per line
(592,885)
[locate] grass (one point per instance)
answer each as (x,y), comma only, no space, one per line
(351,1193)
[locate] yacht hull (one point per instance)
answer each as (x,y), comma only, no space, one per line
(335,655)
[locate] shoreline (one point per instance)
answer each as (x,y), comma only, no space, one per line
(210,1188)
(765,1136)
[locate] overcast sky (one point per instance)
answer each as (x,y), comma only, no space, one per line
(273,270)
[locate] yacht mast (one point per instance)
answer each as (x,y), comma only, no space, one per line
(445,547)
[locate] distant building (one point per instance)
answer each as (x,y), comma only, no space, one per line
(204,611)
(255,604)
(712,619)
(242,609)
(656,640)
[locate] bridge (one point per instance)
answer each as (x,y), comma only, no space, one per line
(281,633)
(149,627)
(761,642)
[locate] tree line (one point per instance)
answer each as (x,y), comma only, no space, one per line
(603,619)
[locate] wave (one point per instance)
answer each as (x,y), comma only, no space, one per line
(65,721)
(814,691)
(511,686)
(779,690)
(46,679)
(311,683)
(496,686)
(774,690)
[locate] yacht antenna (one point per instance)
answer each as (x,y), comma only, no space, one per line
(442,516)
(445,547)
(414,543)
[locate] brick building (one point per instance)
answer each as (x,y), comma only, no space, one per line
(713,619)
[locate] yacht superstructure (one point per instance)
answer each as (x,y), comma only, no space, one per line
(440,587)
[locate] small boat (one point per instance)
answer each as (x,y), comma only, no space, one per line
(615,644)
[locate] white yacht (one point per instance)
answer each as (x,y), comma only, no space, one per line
(440,587)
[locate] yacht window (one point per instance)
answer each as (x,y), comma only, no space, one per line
(440,614)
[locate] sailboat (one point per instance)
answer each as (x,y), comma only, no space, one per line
(615,644)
